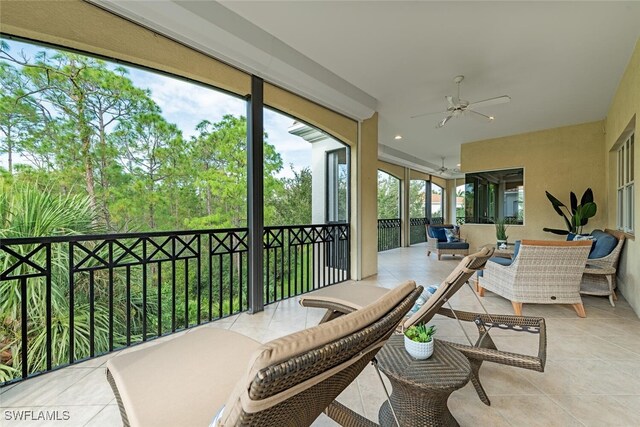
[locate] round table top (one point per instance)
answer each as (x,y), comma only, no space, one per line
(447,368)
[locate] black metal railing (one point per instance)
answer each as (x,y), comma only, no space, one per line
(437,220)
(418,230)
(66,299)
(388,234)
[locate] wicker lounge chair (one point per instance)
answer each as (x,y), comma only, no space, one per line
(285,382)
(544,272)
(344,298)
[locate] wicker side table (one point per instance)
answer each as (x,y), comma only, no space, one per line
(421,388)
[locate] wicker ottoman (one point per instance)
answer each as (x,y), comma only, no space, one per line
(421,388)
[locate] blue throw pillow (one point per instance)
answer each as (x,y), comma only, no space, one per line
(605,243)
(440,234)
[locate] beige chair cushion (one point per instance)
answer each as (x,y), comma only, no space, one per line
(287,347)
(183,381)
(349,294)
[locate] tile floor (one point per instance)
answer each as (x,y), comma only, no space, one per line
(591,377)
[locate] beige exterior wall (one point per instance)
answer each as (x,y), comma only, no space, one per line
(560,160)
(367,192)
(82,26)
(336,125)
(391,169)
(624,110)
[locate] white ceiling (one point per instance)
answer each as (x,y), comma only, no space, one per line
(559,61)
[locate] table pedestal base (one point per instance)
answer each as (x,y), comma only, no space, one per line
(419,409)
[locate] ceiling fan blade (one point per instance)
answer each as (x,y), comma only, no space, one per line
(443,121)
(481,116)
(427,114)
(451,101)
(491,101)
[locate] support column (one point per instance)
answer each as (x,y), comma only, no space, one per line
(366,211)
(255,195)
(404,211)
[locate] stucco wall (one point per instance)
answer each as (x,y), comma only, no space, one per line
(560,160)
(367,193)
(625,110)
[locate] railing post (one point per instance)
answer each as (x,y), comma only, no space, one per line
(255,195)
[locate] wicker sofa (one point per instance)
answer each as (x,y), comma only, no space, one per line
(438,244)
(543,272)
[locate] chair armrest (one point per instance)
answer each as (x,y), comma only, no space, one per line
(535,325)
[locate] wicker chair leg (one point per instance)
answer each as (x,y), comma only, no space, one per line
(517,308)
(346,417)
(330,315)
(579,308)
(475,380)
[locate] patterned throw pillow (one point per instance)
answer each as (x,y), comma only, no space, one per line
(451,235)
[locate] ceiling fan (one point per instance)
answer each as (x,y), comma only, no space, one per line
(443,169)
(458,107)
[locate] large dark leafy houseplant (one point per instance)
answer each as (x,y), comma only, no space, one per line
(578,215)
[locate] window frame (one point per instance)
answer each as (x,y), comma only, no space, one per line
(626,185)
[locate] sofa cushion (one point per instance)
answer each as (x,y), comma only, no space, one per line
(452,245)
(605,244)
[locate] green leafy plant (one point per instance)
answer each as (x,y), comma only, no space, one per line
(501,229)
(576,217)
(420,333)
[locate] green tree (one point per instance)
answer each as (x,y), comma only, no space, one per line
(150,143)
(220,162)
(293,204)
(417,199)
(87,98)
(19,116)
(388,196)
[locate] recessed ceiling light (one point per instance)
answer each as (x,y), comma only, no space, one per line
(398,137)
(491,117)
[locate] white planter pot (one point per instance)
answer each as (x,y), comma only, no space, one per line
(418,350)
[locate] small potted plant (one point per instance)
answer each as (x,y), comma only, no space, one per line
(501,233)
(418,341)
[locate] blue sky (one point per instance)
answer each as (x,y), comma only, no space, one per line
(186,104)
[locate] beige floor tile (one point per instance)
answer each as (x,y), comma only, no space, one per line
(42,389)
(108,416)
(598,410)
(474,413)
(632,403)
(533,411)
(501,380)
(91,389)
